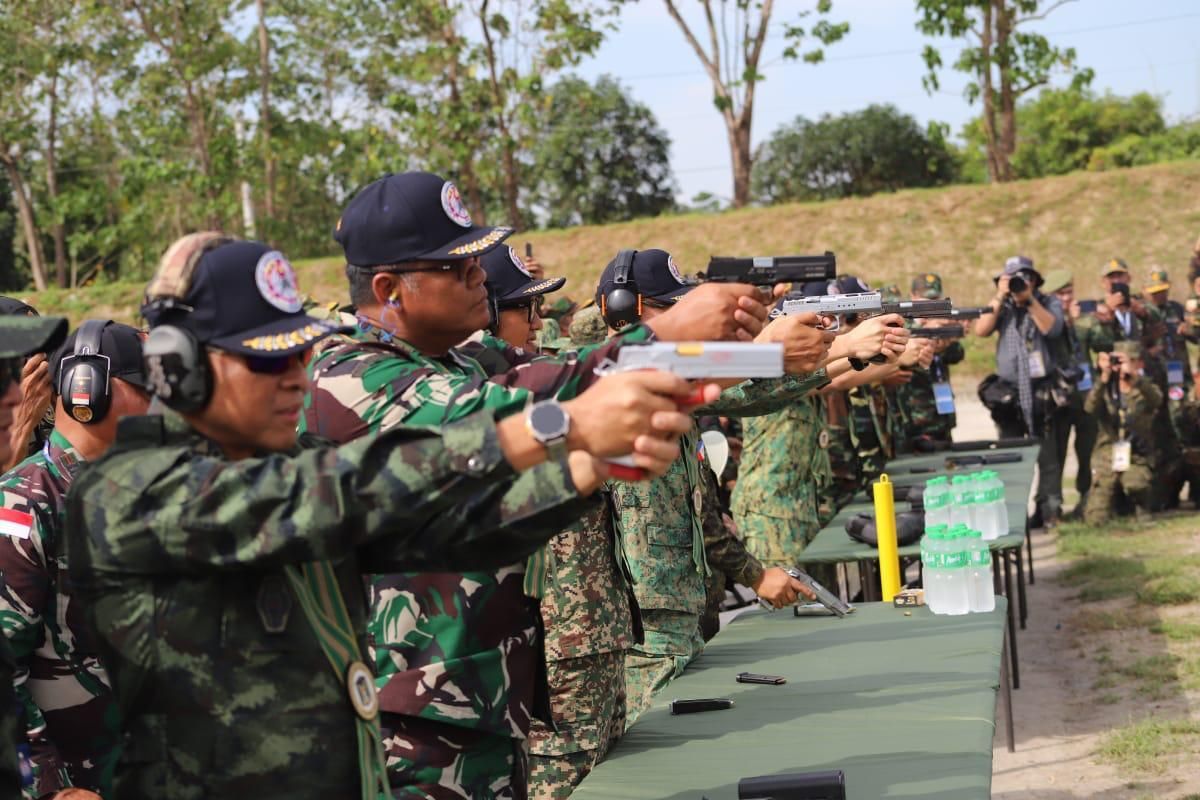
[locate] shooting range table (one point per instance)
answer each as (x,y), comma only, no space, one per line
(833,546)
(904,705)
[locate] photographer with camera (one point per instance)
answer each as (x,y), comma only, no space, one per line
(1020,395)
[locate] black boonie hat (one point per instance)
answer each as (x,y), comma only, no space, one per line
(121,344)
(655,273)
(512,283)
(243,298)
(415,216)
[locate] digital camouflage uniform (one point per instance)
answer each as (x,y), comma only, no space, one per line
(1138,409)
(871,430)
(921,417)
(785,464)
(845,472)
(661,532)
(457,656)
(589,619)
(184,563)
(69,710)
(725,551)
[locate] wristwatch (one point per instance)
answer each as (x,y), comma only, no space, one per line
(549,423)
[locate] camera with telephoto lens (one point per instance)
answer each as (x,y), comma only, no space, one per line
(1017,284)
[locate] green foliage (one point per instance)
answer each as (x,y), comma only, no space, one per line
(856,154)
(10,278)
(599,156)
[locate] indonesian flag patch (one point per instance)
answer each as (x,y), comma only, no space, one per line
(15,523)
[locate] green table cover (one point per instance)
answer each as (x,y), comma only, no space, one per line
(834,546)
(904,705)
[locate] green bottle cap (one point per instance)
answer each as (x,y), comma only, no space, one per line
(938,481)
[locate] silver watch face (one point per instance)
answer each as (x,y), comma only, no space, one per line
(549,421)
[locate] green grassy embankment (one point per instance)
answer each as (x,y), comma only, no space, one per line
(1148,215)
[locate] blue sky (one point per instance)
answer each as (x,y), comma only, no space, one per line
(1151,45)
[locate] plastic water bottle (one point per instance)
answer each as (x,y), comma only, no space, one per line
(931,571)
(954,566)
(980,594)
(999,506)
(961,501)
(985,507)
(937,502)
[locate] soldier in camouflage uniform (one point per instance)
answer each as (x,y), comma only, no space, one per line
(220,567)
(70,714)
(922,419)
(1124,404)
(1170,352)
(20,336)
(661,521)
(457,655)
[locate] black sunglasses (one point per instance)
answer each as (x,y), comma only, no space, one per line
(10,371)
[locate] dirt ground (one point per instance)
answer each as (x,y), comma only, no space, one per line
(1061,717)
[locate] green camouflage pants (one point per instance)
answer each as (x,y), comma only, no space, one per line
(430,760)
(1137,483)
(672,640)
(587,700)
(778,541)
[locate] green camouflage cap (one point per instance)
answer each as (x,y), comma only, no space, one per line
(1159,281)
(22,335)
(1128,349)
(928,286)
(1058,279)
(890,293)
(559,308)
(588,327)
(1114,265)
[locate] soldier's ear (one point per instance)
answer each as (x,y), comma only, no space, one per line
(386,288)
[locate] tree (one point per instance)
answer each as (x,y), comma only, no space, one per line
(1061,129)
(878,149)
(599,156)
(1005,61)
(737,33)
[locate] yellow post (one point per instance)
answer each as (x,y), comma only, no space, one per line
(885,531)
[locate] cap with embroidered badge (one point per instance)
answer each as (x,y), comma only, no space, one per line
(1114,266)
(243,297)
(512,282)
(655,273)
(1159,280)
(928,286)
(414,216)
(121,344)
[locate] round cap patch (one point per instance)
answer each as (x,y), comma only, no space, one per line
(452,204)
(518,263)
(674,268)
(1175,393)
(277,282)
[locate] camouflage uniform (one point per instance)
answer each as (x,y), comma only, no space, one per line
(785,463)
(727,555)
(182,561)
(845,471)
(68,706)
(457,656)
(1140,406)
(871,431)
(11,718)
(921,417)
(550,333)
(1188,421)
(590,620)
(660,524)
(1172,474)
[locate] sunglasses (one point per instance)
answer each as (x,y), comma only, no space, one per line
(272,365)
(10,372)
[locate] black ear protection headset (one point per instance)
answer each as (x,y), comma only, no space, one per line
(622,304)
(84,381)
(177,370)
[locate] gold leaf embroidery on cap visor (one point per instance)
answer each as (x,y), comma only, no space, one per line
(483,243)
(285,341)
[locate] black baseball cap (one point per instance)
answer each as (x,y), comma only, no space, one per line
(11,305)
(22,335)
(849,284)
(655,273)
(121,344)
(415,216)
(243,298)
(511,282)
(815,289)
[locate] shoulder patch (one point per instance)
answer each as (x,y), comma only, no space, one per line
(17,524)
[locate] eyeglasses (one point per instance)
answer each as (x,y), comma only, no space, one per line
(272,365)
(533,306)
(10,372)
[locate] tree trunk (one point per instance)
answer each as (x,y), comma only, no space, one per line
(28,224)
(742,159)
(264,112)
(512,185)
(57,229)
(1008,99)
(989,98)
